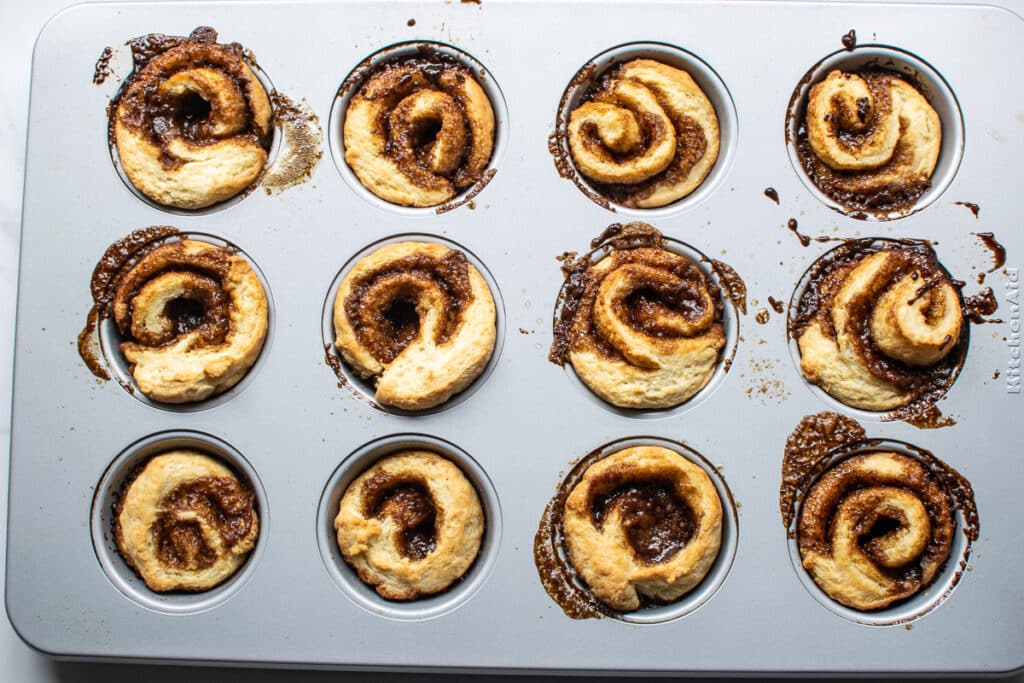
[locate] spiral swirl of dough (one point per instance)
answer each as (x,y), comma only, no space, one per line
(875,139)
(874,529)
(643,521)
(185,522)
(419,318)
(417,132)
(194,317)
(193,124)
(411,525)
(884,329)
(645,328)
(647,135)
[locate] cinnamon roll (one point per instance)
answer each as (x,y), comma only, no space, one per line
(417,317)
(411,525)
(874,529)
(419,130)
(644,521)
(880,325)
(870,140)
(643,326)
(645,135)
(192,315)
(185,522)
(192,124)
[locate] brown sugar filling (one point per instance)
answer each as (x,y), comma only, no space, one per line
(656,522)
(116,261)
(203,306)
(220,502)
(411,507)
(381,306)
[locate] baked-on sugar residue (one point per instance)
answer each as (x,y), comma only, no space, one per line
(102,70)
(300,150)
(117,260)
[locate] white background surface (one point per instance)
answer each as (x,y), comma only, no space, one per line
(21,22)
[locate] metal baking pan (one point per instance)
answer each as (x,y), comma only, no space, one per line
(297,434)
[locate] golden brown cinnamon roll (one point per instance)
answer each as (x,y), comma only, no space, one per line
(645,135)
(185,522)
(411,525)
(644,521)
(419,130)
(874,529)
(419,318)
(870,140)
(192,315)
(880,324)
(642,327)
(193,124)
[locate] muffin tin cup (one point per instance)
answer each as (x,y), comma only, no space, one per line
(903,611)
(705,77)
(362,594)
(122,576)
(365,389)
(730,322)
(110,339)
(295,604)
(830,402)
(350,85)
(918,73)
(719,571)
(272,153)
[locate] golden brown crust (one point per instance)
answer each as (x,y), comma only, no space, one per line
(171,148)
(884,320)
(874,140)
(875,529)
(185,522)
(647,329)
(418,131)
(647,135)
(410,525)
(419,318)
(194,316)
(644,521)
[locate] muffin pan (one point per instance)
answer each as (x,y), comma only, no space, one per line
(297,436)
